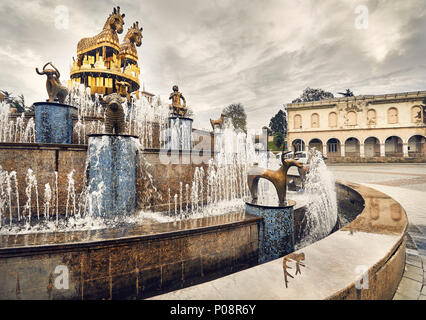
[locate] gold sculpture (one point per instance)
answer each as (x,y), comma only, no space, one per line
(123,89)
(218,122)
(55,89)
(176,108)
(106,38)
(114,115)
(133,39)
(102,63)
(277,177)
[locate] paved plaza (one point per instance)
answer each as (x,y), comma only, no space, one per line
(406,183)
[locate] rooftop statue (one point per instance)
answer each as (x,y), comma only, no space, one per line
(114,115)
(55,89)
(348,93)
(277,177)
(176,108)
(113,25)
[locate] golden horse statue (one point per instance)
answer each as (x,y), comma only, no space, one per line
(132,39)
(55,89)
(107,37)
(277,177)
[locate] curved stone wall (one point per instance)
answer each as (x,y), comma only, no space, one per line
(363,260)
(126,263)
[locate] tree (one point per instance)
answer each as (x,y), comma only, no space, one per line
(310,94)
(278,123)
(278,139)
(237,114)
(15,102)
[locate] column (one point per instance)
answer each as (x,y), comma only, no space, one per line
(382,150)
(361,150)
(405,149)
(342,150)
(324,150)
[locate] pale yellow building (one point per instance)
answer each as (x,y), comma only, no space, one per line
(391,125)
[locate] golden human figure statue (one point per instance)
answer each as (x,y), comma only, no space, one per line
(176,108)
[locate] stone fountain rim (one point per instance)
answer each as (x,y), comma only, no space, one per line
(291,203)
(56,104)
(112,135)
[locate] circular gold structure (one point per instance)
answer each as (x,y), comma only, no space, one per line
(102,62)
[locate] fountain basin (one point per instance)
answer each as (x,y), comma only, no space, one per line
(363,260)
(53,122)
(112,175)
(276,233)
(179,134)
(127,262)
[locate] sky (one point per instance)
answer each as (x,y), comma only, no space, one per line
(261,54)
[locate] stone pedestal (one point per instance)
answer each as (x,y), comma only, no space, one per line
(276,233)
(111,175)
(179,134)
(53,122)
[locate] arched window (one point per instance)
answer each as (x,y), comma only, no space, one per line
(371,117)
(332,120)
(315,121)
(392,115)
(297,121)
(351,118)
(416,114)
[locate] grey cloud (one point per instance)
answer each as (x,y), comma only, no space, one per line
(259,53)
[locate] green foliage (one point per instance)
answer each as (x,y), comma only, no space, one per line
(16,102)
(237,114)
(278,123)
(310,94)
(278,139)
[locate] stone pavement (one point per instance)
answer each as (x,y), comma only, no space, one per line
(406,184)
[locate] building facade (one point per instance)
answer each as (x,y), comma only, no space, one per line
(391,125)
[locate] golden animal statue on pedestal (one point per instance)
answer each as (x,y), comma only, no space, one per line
(218,123)
(277,177)
(55,89)
(132,40)
(108,35)
(114,115)
(176,108)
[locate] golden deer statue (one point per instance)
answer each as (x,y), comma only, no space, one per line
(218,122)
(277,177)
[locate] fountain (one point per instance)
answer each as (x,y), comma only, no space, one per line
(277,233)
(89,183)
(180,128)
(53,120)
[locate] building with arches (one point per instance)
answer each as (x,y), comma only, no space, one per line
(374,126)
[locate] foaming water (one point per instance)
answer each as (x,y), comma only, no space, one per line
(217,188)
(320,193)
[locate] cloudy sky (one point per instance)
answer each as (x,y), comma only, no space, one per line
(258,53)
